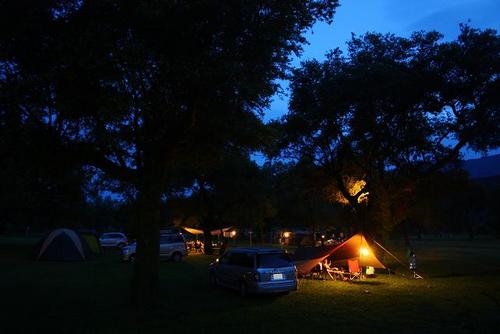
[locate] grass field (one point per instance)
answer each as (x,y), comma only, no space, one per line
(460,293)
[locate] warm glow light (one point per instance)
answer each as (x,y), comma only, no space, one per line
(355,188)
(363,251)
(233,234)
(286,235)
(363,197)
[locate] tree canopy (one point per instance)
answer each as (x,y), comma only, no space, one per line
(392,111)
(139,89)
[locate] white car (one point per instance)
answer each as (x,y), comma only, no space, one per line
(114,239)
(172,247)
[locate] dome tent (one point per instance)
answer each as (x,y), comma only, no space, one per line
(92,241)
(63,245)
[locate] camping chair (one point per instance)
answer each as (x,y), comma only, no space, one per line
(326,270)
(354,269)
(335,273)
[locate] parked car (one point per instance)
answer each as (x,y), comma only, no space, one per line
(172,247)
(113,239)
(254,270)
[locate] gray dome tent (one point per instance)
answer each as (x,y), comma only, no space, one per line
(63,245)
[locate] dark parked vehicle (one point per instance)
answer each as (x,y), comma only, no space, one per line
(254,270)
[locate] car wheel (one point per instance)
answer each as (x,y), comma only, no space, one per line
(132,259)
(177,257)
(243,289)
(212,279)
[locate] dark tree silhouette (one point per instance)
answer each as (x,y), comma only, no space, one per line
(391,112)
(138,89)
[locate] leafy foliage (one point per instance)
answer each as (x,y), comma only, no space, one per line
(391,112)
(142,90)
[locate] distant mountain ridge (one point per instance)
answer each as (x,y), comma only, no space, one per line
(483,167)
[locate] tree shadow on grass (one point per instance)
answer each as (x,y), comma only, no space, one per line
(493,272)
(231,294)
(368,283)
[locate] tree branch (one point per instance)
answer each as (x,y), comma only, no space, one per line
(448,158)
(88,154)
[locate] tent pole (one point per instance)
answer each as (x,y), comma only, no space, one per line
(415,273)
(389,252)
(359,254)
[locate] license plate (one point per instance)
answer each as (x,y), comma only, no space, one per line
(277,276)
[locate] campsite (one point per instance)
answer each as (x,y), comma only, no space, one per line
(249,166)
(460,293)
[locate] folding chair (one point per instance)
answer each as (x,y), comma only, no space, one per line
(335,273)
(354,269)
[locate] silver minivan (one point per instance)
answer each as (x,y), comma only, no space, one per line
(254,270)
(172,247)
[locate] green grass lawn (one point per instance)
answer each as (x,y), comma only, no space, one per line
(460,293)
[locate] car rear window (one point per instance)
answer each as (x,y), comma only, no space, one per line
(273,260)
(241,259)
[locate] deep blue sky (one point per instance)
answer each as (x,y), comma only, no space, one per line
(400,17)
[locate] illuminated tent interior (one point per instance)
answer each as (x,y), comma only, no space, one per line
(226,231)
(354,248)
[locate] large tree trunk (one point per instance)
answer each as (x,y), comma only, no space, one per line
(145,283)
(208,220)
(224,245)
(209,250)
(262,234)
(468,223)
(358,218)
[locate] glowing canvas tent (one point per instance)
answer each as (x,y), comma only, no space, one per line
(226,232)
(193,231)
(306,258)
(355,248)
